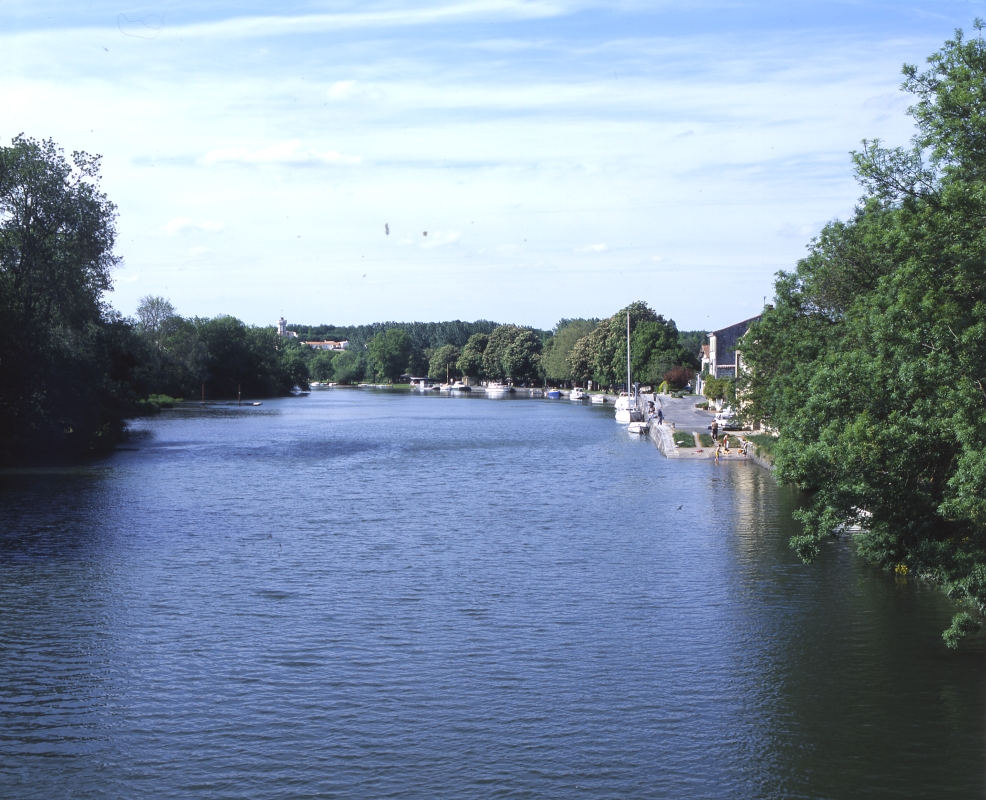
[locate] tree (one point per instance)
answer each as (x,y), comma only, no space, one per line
(153,316)
(654,349)
(443,362)
(349,366)
(871,362)
(388,354)
(512,352)
(320,365)
(471,361)
(57,232)
(679,377)
(555,356)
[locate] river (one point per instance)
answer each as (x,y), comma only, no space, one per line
(368,594)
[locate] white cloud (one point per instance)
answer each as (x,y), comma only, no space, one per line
(657,258)
(317,23)
(592,248)
(282,153)
(341,89)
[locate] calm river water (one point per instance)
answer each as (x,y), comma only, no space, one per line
(370,594)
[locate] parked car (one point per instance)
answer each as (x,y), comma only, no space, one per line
(728,420)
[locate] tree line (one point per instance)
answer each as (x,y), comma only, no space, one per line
(72,369)
(575,351)
(871,364)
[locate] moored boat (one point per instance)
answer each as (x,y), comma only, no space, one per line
(577,394)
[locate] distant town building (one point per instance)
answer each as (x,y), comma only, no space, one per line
(282,328)
(329,345)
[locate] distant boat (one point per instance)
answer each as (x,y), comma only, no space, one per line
(554,394)
(498,388)
(459,386)
(597,399)
(577,394)
(536,393)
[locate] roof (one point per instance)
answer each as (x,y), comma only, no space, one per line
(727,338)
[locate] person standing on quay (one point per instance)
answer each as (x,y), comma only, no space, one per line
(660,416)
(715,431)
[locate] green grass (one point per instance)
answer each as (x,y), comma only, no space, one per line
(684,439)
(706,440)
(764,442)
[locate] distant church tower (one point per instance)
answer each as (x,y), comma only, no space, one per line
(282,327)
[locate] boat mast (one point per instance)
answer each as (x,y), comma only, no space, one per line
(629,390)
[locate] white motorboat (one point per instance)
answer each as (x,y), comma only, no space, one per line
(597,399)
(638,428)
(577,394)
(498,388)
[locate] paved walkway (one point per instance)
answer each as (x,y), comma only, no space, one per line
(682,415)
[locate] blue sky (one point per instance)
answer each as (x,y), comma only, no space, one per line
(564,158)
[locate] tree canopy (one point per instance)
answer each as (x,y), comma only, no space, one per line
(389,353)
(654,348)
(62,373)
(444,362)
(871,362)
(512,353)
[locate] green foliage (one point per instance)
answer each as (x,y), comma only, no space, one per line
(558,348)
(654,348)
(684,438)
(765,443)
(388,354)
(320,366)
(349,366)
(444,362)
(719,389)
(69,367)
(871,362)
(512,352)
(706,440)
(471,361)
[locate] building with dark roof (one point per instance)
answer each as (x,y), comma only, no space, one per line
(723,359)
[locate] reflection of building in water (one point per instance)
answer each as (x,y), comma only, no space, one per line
(282,328)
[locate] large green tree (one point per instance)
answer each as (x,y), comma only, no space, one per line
(555,356)
(443,362)
(471,361)
(63,381)
(871,363)
(512,353)
(602,355)
(388,354)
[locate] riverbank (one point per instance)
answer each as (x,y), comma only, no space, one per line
(681,416)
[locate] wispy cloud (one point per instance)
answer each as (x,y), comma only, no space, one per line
(282,153)
(476,10)
(592,248)
(340,89)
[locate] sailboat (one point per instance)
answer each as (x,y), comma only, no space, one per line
(627,409)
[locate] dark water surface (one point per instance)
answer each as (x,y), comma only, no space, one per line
(370,594)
